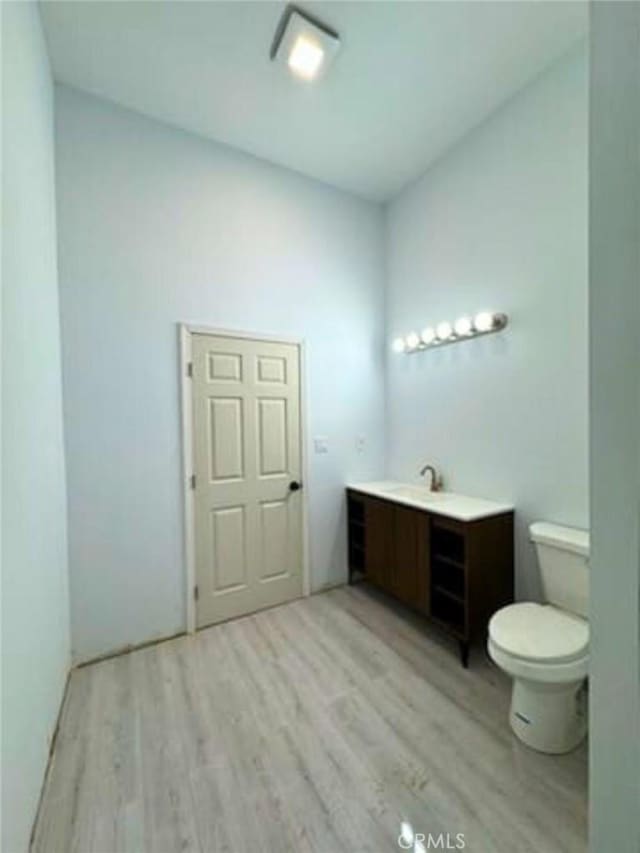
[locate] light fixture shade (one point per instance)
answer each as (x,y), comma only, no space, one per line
(463,326)
(305,45)
(444,331)
(398,345)
(412,340)
(484,321)
(428,335)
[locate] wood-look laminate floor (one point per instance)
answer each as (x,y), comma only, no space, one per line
(315,726)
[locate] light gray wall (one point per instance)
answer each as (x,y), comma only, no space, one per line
(615,427)
(156,227)
(35,614)
(499,223)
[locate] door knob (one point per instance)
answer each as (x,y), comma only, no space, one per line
(294,486)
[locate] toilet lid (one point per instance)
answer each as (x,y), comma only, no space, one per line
(539,632)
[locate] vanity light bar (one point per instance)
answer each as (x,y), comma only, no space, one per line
(464,328)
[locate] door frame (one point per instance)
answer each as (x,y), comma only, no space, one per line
(185,333)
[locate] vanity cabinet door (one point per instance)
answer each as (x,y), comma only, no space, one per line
(378,533)
(408,569)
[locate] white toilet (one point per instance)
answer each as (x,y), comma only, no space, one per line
(545,647)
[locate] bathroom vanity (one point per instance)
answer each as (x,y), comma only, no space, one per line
(447,556)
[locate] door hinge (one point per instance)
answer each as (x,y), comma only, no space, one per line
(196,592)
(192,481)
(190,369)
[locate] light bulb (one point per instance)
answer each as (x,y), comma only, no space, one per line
(412,340)
(484,321)
(463,326)
(398,345)
(306,57)
(428,335)
(444,330)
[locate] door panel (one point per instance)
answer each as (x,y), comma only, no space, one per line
(248,525)
(225,367)
(274,529)
(229,559)
(272,436)
(408,566)
(378,528)
(225,428)
(272,369)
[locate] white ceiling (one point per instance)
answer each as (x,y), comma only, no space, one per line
(409,81)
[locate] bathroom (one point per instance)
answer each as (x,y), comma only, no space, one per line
(425,251)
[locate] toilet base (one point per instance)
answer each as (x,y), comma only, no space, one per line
(550,718)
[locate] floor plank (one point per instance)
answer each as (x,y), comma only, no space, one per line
(315,727)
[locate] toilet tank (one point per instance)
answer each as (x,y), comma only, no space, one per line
(563,557)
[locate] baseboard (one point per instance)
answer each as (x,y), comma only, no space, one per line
(52,749)
(134,647)
(328,586)
(130,647)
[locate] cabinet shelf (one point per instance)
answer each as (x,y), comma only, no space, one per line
(447,593)
(456,629)
(450,561)
(448,576)
(448,545)
(448,610)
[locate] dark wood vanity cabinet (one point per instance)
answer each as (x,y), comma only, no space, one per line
(457,573)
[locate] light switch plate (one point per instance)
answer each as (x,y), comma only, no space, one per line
(321,444)
(361,443)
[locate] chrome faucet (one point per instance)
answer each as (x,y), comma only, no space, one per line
(436,481)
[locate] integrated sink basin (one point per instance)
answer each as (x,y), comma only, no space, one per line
(449,504)
(416,493)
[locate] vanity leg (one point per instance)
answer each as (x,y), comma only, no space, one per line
(464,654)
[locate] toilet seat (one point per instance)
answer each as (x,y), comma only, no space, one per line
(539,634)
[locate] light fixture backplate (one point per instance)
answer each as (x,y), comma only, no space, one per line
(295,23)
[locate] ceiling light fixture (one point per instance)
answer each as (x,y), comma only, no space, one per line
(305,44)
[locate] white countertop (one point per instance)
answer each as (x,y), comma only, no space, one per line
(448,504)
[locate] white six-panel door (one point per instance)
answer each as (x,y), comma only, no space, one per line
(248,515)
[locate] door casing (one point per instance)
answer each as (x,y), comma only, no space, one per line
(185,332)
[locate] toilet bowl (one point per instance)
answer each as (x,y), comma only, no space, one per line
(545,647)
(545,651)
